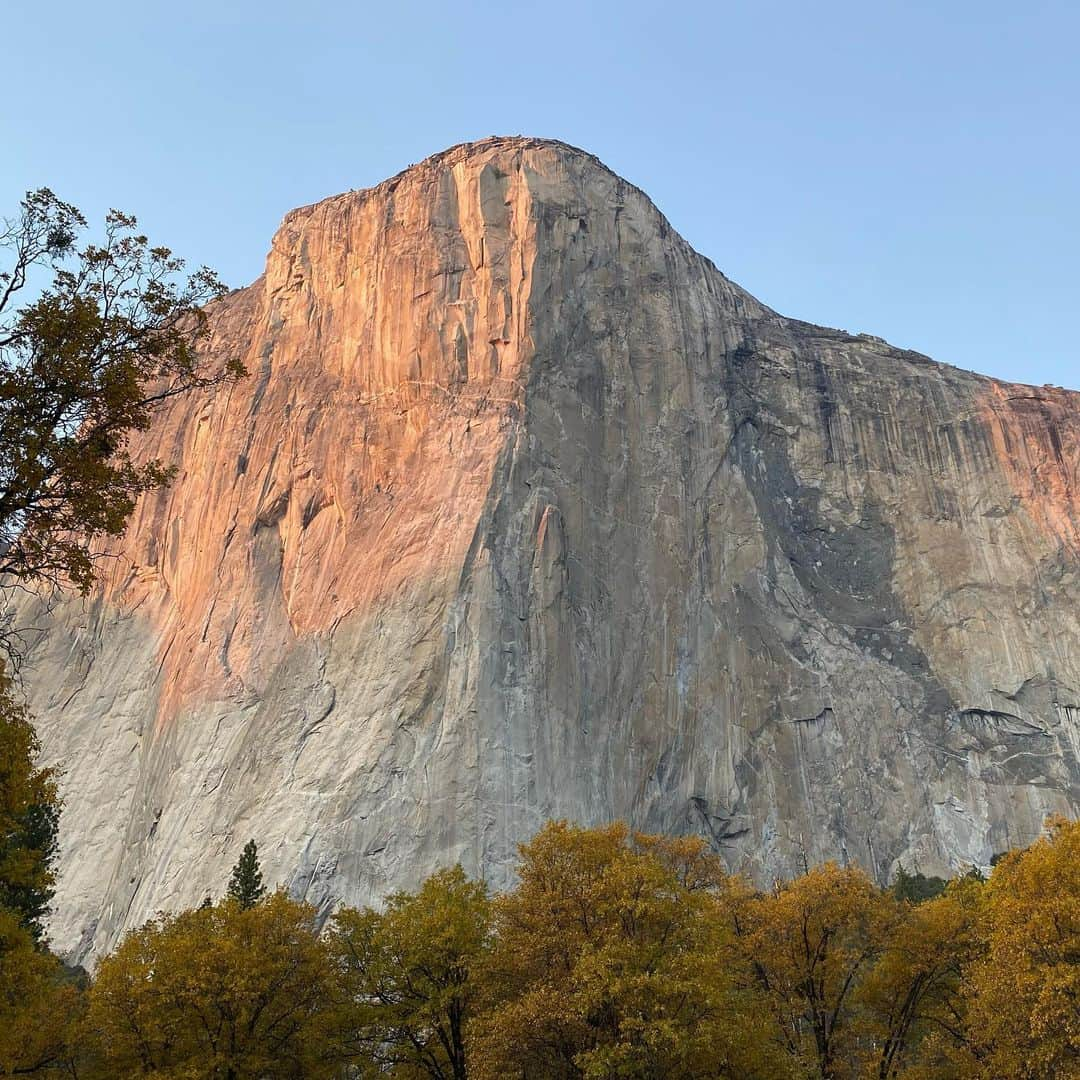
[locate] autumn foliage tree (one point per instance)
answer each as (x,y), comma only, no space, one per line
(408,977)
(40,1006)
(1024,995)
(221,992)
(810,942)
(109,332)
(609,962)
(913,1002)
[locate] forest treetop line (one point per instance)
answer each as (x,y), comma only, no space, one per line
(616,955)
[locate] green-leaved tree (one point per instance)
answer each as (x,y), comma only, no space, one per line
(29,814)
(246,885)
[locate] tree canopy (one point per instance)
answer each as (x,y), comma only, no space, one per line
(616,956)
(246,884)
(410,976)
(93,340)
(222,991)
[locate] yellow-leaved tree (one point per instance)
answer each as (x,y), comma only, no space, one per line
(912,1004)
(221,992)
(1024,1012)
(610,962)
(407,978)
(39,1006)
(810,942)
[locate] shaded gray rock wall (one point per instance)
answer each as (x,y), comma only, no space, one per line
(527,511)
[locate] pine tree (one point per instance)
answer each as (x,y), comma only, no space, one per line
(246,885)
(917,887)
(29,815)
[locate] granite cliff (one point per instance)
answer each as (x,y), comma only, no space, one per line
(526,511)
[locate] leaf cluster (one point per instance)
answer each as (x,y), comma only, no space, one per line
(93,341)
(29,818)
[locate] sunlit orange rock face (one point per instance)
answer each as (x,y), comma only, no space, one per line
(526,511)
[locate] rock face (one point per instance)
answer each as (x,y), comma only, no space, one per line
(526,511)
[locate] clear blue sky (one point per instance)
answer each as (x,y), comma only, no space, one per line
(910,169)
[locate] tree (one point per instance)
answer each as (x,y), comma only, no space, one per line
(914,1000)
(1024,1008)
(810,942)
(39,1005)
(917,887)
(246,885)
(225,992)
(111,333)
(610,962)
(29,814)
(408,976)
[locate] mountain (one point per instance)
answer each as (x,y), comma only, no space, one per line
(526,511)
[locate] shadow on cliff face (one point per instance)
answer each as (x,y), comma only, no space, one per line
(831,563)
(843,556)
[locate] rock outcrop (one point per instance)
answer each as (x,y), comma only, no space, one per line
(526,511)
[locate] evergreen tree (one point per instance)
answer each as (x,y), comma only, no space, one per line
(246,885)
(917,888)
(29,814)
